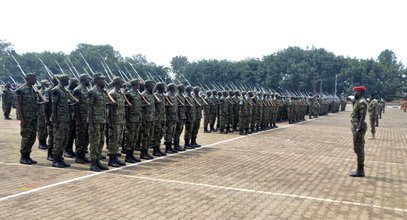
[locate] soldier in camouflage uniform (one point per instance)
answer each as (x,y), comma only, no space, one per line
(133,118)
(244,114)
(171,112)
(27,110)
(223,113)
(48,113)
(116,116)
(97,115)
(236,106)
(214,110)
(181,103)
(148,112)
(7,101)
(230,117)
(60,120)
(373,109)
(42,125)
(199,103)
(207,112)
(159,124)
(73,83)
(191,117)
(81,116)
(359,128)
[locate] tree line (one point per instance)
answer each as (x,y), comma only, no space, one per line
(292,69)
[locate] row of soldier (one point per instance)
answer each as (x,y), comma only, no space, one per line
(138,114)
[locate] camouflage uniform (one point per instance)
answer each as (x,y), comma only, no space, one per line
(171,112)
(97,99)
(223,113)
(42,125)
(190,113)
(199,103)
(117,115)
(7,100)
(373,115)
(359,108)
(244,114)
(214,110)
(181,103)
(148,129)
(134,114)
(81,115)
(160,119)
(207,112)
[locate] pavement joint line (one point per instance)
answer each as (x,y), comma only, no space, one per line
(265,192)
(4,198)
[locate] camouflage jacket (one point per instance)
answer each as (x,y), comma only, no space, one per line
(60,100)
(81,93)
(97,100)
(135,111)
(117,111)
(172,110)
(28,103)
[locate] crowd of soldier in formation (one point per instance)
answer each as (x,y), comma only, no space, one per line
(137,115)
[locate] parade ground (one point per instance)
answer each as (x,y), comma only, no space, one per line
(297,171)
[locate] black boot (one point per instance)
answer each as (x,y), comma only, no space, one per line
(187,145)
(69,153)
(30,159)
(94,166)
(57,162)
(159,151)
(101,166)
(243,131)
(112,161)
(24,159)
(168,148)
(129,157)
(103,157)
(360,172)
(144,154)
(42,144)
(81,158)
(156,152)
(50,157)
(194,144)
(64,163)
(177,147)
(118,161)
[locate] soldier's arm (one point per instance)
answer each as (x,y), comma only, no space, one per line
(363,111)
(90,109)
(19,107)
(55,100)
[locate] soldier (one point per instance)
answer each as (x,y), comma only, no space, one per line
(207,112)
(214,110)
(116,116)
(171,112)
(373,109)
(223,112)
(81,116)
(27,110)
(42,125)
(73,83)
(159,124)
(148,128)
(133,118)
(236,106)
(7,101)
(244,114)
(199,103)
(48,113)
(97,121)
(190,117)
(60,120)
(181,103)
(359,128)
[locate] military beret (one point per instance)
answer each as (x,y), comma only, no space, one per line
(172,86)
(84,76)
(44,82)
(359,88)
(30,76)
(134,82)
(181,87)
(98,76)
(196,88)
(117,79)
(148,82)
(62,76)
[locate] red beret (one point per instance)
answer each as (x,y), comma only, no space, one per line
(359,88)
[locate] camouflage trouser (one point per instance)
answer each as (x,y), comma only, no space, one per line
(170,131)
(131,135)
(115,138)
(159,128)
(71,134)
(195,127)
(188,129)
(50,129)
(148,132)
(359,142)
(315,111)
(82,137)
(42,129)
(223,123)
(235,117)
(178,129)
(373,121)
(60,139)
(243,122)
(6,109)
(213,119)
(207,119)
(96,140)
(28,134)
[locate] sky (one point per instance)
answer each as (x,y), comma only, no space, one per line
(207,29)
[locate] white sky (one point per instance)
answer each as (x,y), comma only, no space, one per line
(207,29)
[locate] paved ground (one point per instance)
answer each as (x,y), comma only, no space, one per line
(294,172)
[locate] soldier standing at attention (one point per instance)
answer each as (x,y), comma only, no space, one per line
(27,111)
(207,112)
(7,101)
(81,116)
(199,102)
(73,83)
(159,124)
(42,125)
(214,110)
(171,112)
(191,116)
(373,109)
(117,122)
(181,103)
(149,111)
(97,122)
(60,120)
(244,114)
(359,128)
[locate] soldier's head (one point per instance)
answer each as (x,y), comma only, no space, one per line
(30,78)
(160,87)
(188,89)
(181,88)
(135,84)
(231,92)
(117,82)
(63,79)
(196,90)
(214,92)
(172,88)
(142,86)
(225,93)
(359,91)
(85,79)
(208,93)
(250,93)
(237,93)
(149,85)
(73,83)
(7,86)
(45,83)
(99,80)
(220,93)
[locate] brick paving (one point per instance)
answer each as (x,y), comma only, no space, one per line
(295,172)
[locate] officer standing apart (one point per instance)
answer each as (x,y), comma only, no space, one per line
(359,128)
